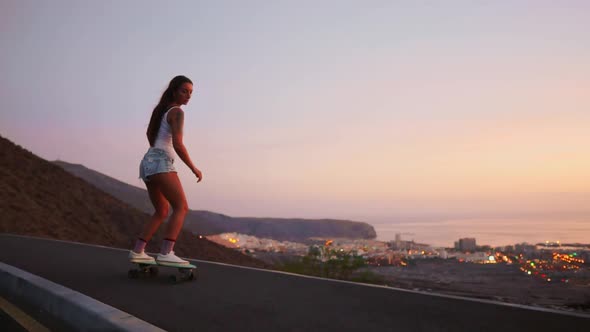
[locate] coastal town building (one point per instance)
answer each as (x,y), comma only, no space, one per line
(466,244)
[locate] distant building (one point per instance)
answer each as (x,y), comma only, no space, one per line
(398,240)
(442,253)
(477,257)
(466,244)
(508,249)
(524,248)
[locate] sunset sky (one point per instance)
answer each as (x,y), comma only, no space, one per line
(362,110)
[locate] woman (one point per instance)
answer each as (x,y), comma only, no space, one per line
(164,134)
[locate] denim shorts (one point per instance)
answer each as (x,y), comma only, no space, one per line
(155,161)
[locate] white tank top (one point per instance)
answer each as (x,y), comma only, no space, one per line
(164,137)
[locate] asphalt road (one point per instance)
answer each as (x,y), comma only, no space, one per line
(228,298)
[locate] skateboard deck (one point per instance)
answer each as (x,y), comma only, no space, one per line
(186,271)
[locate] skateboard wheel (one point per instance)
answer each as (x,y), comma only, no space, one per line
(191,276)
(173,279)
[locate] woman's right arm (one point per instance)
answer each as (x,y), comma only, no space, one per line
(176,120)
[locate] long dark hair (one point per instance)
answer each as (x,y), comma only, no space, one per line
(160,109)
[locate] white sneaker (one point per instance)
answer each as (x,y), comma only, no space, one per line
(141,257)
(170,258)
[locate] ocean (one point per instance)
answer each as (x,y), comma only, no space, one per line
(493,232)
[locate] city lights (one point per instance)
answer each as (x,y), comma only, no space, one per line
(546,262)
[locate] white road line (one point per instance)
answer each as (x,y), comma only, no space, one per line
(26,321)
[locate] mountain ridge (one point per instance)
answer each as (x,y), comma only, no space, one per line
(207,222)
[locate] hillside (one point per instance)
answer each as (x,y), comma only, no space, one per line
(41,199)
(207,223)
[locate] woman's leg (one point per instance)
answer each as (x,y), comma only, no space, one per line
(168,184)
(161,206)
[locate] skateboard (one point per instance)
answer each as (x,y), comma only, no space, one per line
(150,269)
